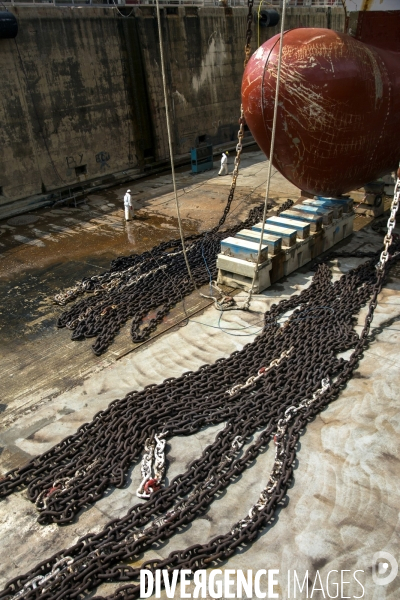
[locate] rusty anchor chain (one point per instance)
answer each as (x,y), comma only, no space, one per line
(157,280)
(270,389)
(138,284)
(295,375)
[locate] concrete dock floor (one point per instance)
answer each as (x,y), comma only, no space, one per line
(65,244)
(344,504)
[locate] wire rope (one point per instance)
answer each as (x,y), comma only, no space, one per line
(271,153)
(170,144)
(122,14)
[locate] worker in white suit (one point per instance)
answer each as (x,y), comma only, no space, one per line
(224,164)
(128,206)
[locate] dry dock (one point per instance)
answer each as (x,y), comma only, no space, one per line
(343,506)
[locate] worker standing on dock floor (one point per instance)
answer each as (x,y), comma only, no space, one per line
(224,164)
(128,206)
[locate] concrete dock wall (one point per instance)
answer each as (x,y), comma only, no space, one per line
(81,91)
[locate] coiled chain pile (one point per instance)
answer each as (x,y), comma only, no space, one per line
(270,389)
(138,284)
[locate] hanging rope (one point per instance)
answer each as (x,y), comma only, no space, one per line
(271,153)
(155,280)
(170,145)
(258,23)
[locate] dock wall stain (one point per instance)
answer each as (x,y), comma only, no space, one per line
(81,90)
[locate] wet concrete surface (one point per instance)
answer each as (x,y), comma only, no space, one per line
(343,506)
(97,226)
(63,245)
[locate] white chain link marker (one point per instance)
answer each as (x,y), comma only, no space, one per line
(276,471)
(153,461)
(261,372)
(391,224)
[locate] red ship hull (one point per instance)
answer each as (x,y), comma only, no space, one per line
(338,122)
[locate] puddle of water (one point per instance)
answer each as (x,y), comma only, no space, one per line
(23,220)
(32,275)
(67,245)
(26,300)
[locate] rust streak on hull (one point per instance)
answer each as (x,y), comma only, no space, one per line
(339,109)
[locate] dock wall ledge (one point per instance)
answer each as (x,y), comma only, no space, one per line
(81,92)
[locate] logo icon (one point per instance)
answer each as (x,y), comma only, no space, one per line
(384,568)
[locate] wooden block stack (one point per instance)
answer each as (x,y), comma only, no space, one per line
(290,241)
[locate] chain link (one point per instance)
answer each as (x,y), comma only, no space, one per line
(280,440)
(279,401)
(153,460)
(137,285)
(117,295)
(391,224)
(276,403)
(261,373)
